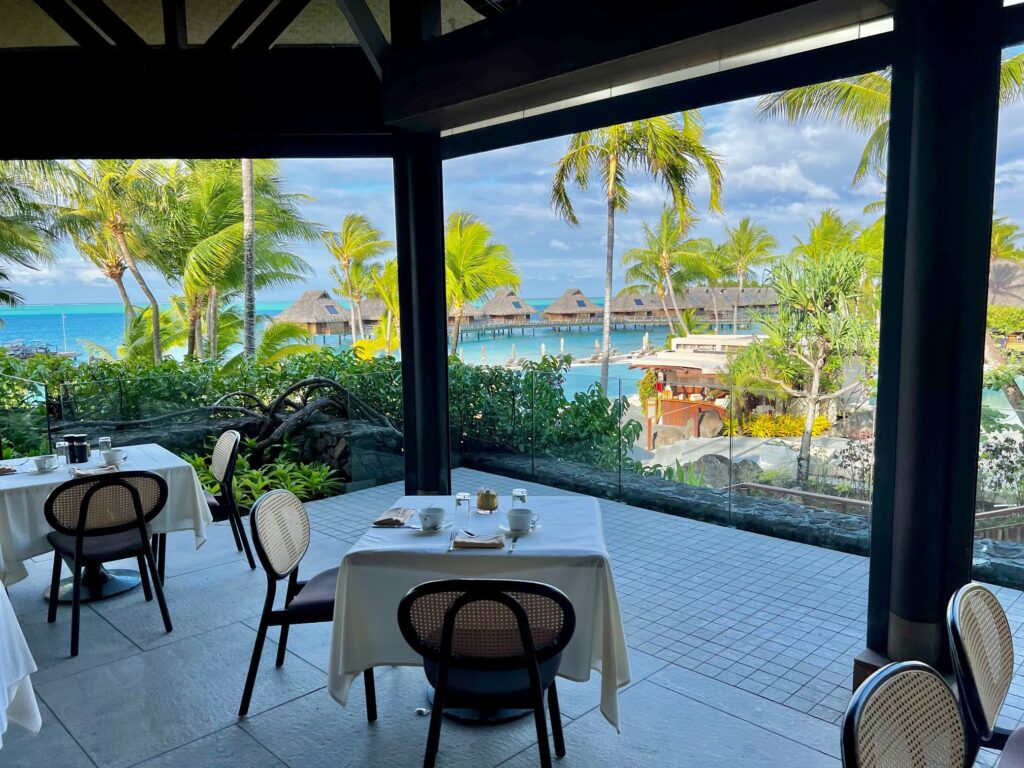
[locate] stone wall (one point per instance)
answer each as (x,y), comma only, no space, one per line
(996,562)
(364,453)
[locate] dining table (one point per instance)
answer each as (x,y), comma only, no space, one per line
(566,550)
(17,699)
(23,526)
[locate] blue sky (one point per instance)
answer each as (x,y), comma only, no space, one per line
(780,174)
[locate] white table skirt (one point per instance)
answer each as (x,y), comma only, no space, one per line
(568,552)
(23,527)
(17,699)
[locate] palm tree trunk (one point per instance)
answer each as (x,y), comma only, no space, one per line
(714,305)
(359,314)
(736,307)
(211,325)
(387,335)
(129,310)
(122,246)
(609,266)
(803,462)
(249,252)
(679,315)
(455,329)
(190,342)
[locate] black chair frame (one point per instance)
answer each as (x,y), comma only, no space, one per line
(970,698)
(146,559)
(493,590)
(229,506)
(284,619)
(855,710)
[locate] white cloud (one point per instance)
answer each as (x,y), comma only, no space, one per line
(558,245)
(787,177)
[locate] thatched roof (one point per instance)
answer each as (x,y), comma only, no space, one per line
(469,312)
(645,303)
(508,304)
(315,308)
(572,302)
(1006,284)
(371,310)
(701,298)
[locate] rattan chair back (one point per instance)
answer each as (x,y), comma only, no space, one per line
(904,716)
(105,504)
(225,453)
(280,531)
(982,647)
(488,617)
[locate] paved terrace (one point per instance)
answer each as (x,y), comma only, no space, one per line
(740,648)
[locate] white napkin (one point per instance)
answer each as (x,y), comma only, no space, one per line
(91,472)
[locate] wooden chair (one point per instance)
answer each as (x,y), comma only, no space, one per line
(905,715)
(490,644)
(99,519)
(982,647)
(223,506)
(280,532)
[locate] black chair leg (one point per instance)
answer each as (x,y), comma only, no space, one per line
(234,531)
(542,729)
(158,588)
(245,541)
(162,557)
(556,721)
(371,695)
(144,576)
(76,606)
(282,645)
(434,732)
(254,665)
(51,614)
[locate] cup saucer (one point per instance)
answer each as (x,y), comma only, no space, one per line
(37,471)
(443,527)
(505,529)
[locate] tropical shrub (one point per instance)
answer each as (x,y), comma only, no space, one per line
(783,425)
(1002,321)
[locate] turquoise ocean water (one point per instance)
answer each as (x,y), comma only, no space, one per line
(67,326)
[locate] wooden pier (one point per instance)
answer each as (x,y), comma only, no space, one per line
(493,330)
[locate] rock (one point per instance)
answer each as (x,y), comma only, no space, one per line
(717,471)
(669,436)
(710,424)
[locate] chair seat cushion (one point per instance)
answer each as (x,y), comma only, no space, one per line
(487,690)
(315,600)
(1013,753)
(102,548)
(211,500)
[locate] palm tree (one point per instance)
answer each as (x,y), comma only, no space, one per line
(474,266)
(105,256)
(676,259)
(138,340)
(669,148)
(356,245)
(275,340)
(115,195)
(385,288)
(249,255)
(747,245)
(26,231)
(862,104)
(825,235)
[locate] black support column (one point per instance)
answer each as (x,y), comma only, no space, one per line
(934,291)
(423,309)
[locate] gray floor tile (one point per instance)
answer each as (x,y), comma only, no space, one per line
(52,747)
(231,746)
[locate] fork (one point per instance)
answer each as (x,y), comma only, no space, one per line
(515,540)
(451,542)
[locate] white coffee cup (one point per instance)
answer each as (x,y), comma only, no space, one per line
(431,518)
(113,456)
(47,462)
(522,519)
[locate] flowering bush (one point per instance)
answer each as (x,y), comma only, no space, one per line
(1001,467)
(783,425)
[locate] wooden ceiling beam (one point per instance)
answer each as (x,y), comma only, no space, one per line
(366,30)
(175,24)
(112,25)
(236,24)
(273,25)
(77,28)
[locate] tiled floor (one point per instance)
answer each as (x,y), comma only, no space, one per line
(740,652)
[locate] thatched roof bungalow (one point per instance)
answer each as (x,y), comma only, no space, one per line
(637,308)
(318,313)
(572,307)
(508,307)
(470,314)
(371,312)
(715,305)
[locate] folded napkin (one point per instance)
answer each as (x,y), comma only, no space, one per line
(90,472)
(396,517)
(5,470)
(480,542)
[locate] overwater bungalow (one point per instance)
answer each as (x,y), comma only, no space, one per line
(716,305)
(470,315)
(371,312)
(508,307)
(572,307)
(318,313)
(637,309)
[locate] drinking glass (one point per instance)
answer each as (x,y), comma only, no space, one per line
(462,497)
(62,451)
(518,494)
(105,443)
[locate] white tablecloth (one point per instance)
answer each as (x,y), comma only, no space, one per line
(568,552)
(17,700)
(23,527)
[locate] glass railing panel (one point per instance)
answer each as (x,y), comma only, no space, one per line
(24,417)
(999,506)
(363,441)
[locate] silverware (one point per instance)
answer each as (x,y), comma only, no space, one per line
(470,534)
(23,463)
(515,540)
(451,542)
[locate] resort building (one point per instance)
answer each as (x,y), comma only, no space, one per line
(470,315)
(371,312)
(637,309)
(727,629)
(572,307)
(318,313)
(715,306)
(507,307)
